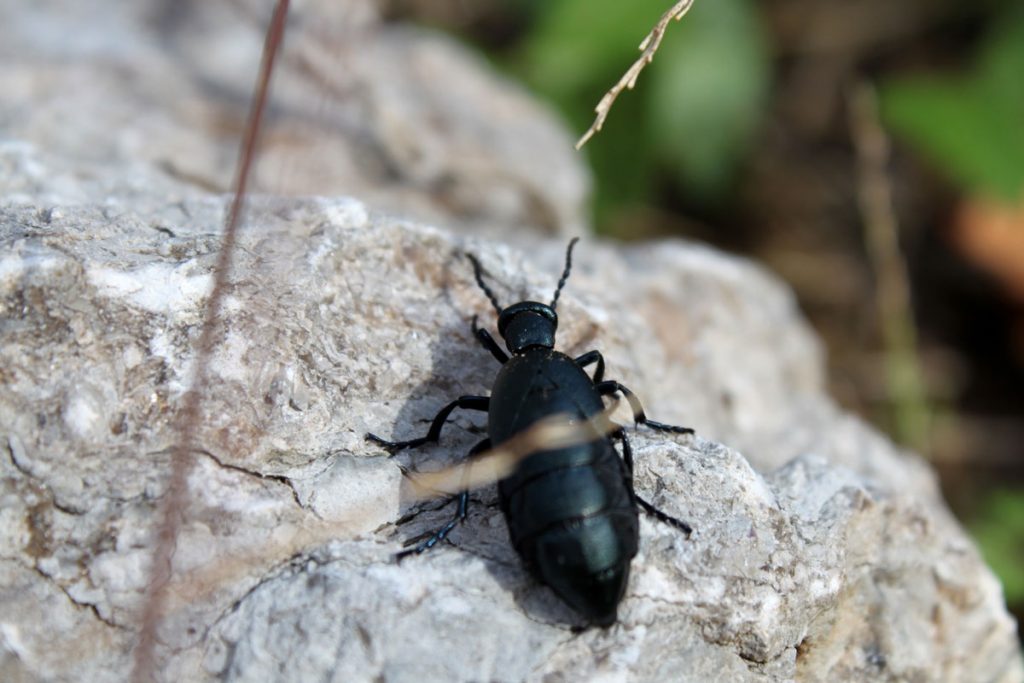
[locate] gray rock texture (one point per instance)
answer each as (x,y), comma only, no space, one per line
(821,552)
(403,118)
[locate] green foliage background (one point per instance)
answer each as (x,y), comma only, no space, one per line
(970,124)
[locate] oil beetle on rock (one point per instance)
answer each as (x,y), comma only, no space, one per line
(571,511)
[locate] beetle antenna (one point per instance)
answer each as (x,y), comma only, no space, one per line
(565,273)
(478,273)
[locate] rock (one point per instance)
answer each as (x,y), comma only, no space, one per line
(821,552)
(406,119)
(827,555)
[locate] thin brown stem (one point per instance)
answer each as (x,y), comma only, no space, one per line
(892,296)
(187,424)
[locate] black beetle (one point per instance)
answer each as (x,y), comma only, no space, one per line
(572,511)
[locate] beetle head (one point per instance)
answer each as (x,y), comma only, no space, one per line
(528,324)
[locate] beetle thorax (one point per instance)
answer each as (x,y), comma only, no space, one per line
(528,324)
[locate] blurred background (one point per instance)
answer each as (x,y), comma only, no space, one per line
(870,153)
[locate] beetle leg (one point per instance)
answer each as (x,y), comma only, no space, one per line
(460,514)
(627,456)
(487,341)
(593,357)
(439,535)
(480,403)
(610,387)
(663,517)
(627,451)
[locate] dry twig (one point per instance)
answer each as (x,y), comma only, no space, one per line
(649,46)
(557,431)
(906,387)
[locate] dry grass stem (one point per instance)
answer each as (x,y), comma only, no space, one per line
(892,295)
(557,431)
(175,501)
(649,46)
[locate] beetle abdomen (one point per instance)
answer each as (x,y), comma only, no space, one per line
(574,524)
(564,488)
(570,513)
(567,561)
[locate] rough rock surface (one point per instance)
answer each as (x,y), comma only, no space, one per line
(820,552)
(405,119)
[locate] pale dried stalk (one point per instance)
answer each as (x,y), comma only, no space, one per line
(557,431)
(649,46)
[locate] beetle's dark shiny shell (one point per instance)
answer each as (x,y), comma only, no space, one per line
(569,511)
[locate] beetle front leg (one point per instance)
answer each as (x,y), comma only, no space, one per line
(610,387)
(480,403)
(592,357)
(487,341)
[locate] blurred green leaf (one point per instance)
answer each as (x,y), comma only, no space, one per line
(707,90)
(971,125)
(999,530)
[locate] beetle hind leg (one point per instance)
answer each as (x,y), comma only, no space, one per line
(627,457)
(663,516)
(428,540)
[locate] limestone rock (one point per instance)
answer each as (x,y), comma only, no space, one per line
(403,118)
(820,552)
(823,555)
